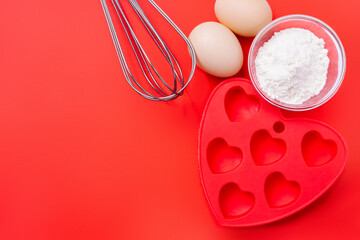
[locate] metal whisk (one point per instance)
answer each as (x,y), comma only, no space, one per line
(162,91)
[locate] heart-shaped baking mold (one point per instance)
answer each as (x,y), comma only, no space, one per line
(257,167)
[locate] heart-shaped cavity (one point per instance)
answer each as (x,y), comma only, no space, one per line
(239,105)
(221,157)
(280,192)
(234,202)
(316,150)
(266,150)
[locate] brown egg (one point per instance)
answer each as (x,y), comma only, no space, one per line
(218,51)
(244,17)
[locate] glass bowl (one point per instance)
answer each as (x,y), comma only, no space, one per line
(336,54)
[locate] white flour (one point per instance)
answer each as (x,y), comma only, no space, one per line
(292,66)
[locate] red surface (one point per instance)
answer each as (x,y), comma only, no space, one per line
(84,157)
(255,172)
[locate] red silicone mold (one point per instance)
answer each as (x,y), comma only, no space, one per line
(256,166)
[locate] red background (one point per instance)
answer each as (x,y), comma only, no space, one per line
(84,157)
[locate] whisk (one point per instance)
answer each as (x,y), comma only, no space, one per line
(162,91)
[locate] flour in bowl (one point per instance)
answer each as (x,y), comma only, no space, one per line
(292,66)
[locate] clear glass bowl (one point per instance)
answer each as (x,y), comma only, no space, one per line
(333,44)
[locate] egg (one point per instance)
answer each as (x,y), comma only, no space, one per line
(244,17)
(218,51)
